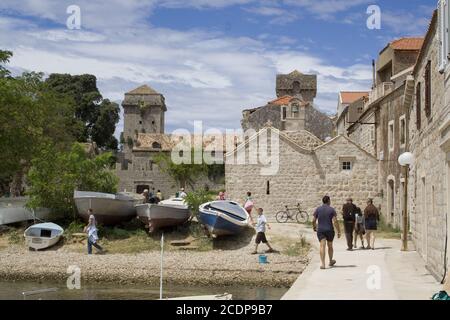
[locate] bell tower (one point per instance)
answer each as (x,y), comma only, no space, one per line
(297,83)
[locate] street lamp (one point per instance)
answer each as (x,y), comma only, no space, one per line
(406,159)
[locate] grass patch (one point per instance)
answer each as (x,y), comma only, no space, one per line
(385,230)
(297,248)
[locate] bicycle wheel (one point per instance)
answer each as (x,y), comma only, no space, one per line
(302,217)
(282,217)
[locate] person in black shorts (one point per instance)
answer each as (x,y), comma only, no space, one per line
(324,223)
(261,232)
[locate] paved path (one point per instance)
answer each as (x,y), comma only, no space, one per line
(402,275)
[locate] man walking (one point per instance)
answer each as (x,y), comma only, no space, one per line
(348,213)
(324,223)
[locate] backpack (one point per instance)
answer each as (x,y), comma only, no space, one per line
(442,295)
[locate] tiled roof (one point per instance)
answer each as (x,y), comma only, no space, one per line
(348,97)
(144,89)
(165,142)
(407,43)
(281,101)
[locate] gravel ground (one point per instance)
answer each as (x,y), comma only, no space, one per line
(217,267)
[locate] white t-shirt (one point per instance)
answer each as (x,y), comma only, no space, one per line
(182,194)
(92,233)
(261,224)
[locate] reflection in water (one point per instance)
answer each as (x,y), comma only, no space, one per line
(102,291)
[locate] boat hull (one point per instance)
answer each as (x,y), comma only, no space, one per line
(107,210)
(157,216)
(43,235)
(223,223)
(12,210)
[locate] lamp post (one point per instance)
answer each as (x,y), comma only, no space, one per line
(406,159)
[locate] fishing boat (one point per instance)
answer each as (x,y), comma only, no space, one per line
(13,210)
(223,217)
(42,235)
(108,209)
(166,213)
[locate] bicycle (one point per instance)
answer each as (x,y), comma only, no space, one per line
(300,216)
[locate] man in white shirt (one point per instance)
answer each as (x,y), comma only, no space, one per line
(261,232)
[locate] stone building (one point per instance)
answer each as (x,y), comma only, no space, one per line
(429,132)
(348,109)
(308,167)
(381,127)
(144,138)
(293,110)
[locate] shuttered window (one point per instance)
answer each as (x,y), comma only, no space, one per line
(428,89)
(418,106)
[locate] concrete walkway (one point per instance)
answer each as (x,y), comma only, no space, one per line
(382,274)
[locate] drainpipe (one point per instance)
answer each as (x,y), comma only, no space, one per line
(445,250)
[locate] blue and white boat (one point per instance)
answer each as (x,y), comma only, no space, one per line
(223,217)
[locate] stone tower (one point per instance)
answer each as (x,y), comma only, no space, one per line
(144,110)
(297,83)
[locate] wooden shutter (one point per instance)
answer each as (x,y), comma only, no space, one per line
(418,106)
(428,89)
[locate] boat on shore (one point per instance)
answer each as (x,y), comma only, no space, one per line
(13,210)
(108,209)
(167,213)
(223,217)
(43,235)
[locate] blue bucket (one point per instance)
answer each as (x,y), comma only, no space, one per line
(262,259)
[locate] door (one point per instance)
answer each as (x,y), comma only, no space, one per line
(141,187)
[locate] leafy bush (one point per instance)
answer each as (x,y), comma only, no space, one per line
(195,198)
(55,175)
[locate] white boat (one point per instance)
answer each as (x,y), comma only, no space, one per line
(223,217)
(43,235)
(13,210)
(225,296)
(166,213)
(108,209)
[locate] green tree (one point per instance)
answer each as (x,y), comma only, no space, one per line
(29,120)
(4,58)
(183,173)
(55,175)
(99,116)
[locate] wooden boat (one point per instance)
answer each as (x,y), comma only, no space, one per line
(223,217)
(225,296)
(108,209)
(13,210)
(166,213)
(42,235)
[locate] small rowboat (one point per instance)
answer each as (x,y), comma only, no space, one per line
(223,217)
(43,235)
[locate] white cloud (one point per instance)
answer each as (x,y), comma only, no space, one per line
(204,75)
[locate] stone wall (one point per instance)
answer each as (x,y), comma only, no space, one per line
(364,134)
(391,178)
(430,173)
(315,121)
(305,176)
(142,171)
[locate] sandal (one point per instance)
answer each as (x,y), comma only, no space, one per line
(322,267)
(332,263)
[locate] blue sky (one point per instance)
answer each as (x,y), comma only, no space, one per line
(210,58)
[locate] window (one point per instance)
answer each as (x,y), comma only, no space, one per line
(294,110)
(140,122)
(418,106)
(268,187)
(428,89)
(283,113)
(391,135)
(156,145)
(402,130)
(346,165)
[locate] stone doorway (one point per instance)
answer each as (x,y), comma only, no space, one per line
(141,187)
